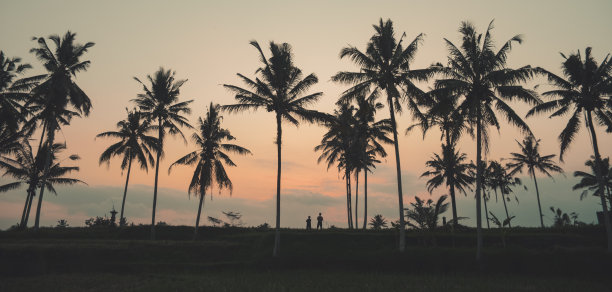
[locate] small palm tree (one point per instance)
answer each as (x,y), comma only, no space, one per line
(480,75)
(160,103)
(501,225)
(56,98)
(210,157)
(584,92)
(450,169)
(385,65)
(27,169)
(424,215)
(531,159)
(281,88)
(13,93)
(378,222)
(503,180)
(133,144)
(588,181)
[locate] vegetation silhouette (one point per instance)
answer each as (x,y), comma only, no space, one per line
(589,182)
(209,158)
(160,103)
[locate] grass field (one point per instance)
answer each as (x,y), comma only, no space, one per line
(239,259)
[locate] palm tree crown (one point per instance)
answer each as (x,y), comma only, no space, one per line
(13,93)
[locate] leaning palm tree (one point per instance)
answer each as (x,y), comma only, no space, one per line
(27,169)
(479,74)
(385,66)
(452,170)
(588,181)
(56,97)
(160,103)
(504,180)
(13,92)
(531,159)
(338,146)
(279,87)
(133,144)
(584,92)
(210,157)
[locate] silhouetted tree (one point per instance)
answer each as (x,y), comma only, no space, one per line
(134,144)
(280,88)
(588,181)
(378,222)
(210,157)
(480,75)
(13,92)
(160,103)
(503,180)
(531,159)
(501,225)
(584,92)
(385,65)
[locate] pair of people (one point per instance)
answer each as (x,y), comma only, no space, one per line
(319,222)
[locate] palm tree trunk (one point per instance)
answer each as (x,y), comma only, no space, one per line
(356,199)
(279,134)
(44,177)
(27,216)
(161,143)
(365,198)
(602,184)
(478,185)
(349,200)
(197,223)
(400,197)
(127,180)
(454,204)
(484,199)
(505,207)
(538,196)
(25,207)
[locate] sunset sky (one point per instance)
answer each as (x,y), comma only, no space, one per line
(207,42)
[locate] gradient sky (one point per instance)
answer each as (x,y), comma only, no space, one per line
(207,43)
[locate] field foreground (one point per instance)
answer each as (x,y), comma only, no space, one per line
(239,259)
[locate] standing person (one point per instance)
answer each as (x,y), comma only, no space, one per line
(308,226)
(320,222)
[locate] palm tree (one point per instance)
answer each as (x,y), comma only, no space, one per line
(385,65)
(279,87)
(480,75)
(210,157)
(160,103)
(56,97)
(28,170)
(588,181)
(370,135)
(585,91)
(450,169)
(531,159)
(13,93)
(425,213)
(503,180)
(338,146)
(134,144)
(378,222)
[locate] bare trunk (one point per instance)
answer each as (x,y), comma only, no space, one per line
(127,180)
(505,207)
(478,185)
(44,177)
(27,216)
(538,196)
(161,143)
(400,197)
(197,223)
(279,135)
(484,199)
(602,184)
(356,200)
(365,199)
(25,207)
(349,200)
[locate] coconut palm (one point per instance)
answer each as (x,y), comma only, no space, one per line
(530,158)
(370,134)
(385,66)
(212,153)
(451,169)
(27,169)
(588,181)
(338,146)
(133,144)
(56,98)
(503,180)
(279,87)
(13,92)
(378,222)
(584,92)
(159,103)
(478,74)
(424,214)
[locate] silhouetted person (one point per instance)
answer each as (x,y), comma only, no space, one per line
(308,226)
(320,222)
